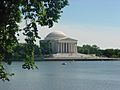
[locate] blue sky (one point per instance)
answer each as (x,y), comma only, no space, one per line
(90,22)
(96,12)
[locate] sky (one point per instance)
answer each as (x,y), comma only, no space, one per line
(90,22)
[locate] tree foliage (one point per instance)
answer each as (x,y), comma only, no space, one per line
(41,12)
(88,49)
(19,51)
(111,53)
(94,49)
(46,49)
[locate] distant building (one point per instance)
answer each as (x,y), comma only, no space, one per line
(58,42)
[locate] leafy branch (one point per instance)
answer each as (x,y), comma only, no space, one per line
(35,12)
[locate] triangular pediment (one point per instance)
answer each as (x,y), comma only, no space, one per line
(68,39)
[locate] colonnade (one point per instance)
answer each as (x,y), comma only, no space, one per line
(64,47)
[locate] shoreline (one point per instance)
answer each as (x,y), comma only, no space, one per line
(74,59)
(47,59)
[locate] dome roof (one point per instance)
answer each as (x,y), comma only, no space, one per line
(55,35)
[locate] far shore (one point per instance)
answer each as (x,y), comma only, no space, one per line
(77,59)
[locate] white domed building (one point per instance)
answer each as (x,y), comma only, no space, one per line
(60,43)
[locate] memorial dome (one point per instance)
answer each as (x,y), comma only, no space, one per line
(55,35)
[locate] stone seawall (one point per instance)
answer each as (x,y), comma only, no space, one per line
(72,59)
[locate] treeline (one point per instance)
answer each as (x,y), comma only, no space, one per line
(19,51)
(45,51)
(94,49)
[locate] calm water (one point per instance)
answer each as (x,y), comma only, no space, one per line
(79,75)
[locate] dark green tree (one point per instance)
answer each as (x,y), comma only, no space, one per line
(19,51)
(41,12)
(88,49)
(46,49)
(111,53)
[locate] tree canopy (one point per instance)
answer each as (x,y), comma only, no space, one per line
(94,49)
(88,49)
(12,12)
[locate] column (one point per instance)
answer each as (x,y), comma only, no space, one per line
(58,48)
(62,47)
(74,47)
(66,47)
(70,48)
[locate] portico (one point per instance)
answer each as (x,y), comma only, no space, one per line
(67,47)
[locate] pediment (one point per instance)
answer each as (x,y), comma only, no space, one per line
(68,39)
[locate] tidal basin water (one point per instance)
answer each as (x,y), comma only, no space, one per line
(77,75)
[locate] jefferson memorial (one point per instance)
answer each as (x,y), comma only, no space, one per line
(62,47)
(60,43)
